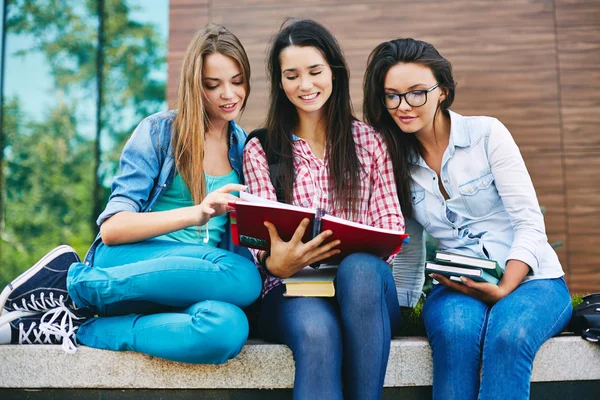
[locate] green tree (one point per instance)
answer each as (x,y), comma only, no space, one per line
(48,176)
(131,53)
(49,165)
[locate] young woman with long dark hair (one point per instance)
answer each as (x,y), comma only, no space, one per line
(463,180)
(327,159)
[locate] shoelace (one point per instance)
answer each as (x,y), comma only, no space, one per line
(44,303)
(62,327)
(25,335)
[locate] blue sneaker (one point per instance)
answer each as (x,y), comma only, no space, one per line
(43,286)
(57,326)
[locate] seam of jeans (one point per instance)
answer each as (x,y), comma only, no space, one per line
(384,314)
(569,305)
(482,340)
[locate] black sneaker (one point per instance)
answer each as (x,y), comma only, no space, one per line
(26,330)
(57,326)
(43,286)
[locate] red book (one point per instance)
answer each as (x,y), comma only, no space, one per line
(250,212)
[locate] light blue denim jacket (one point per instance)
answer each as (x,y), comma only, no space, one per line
(147,168)
(492,210)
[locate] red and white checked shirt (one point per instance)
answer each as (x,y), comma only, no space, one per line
(379,205)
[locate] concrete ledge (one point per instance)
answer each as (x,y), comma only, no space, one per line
(259,366)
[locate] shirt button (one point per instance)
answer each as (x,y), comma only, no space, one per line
(470,190)
(434,178)
(483,183)
(445,180)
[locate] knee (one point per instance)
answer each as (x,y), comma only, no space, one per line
(250,283)
(361,276)
(453,332)
(222,330)
(510,340)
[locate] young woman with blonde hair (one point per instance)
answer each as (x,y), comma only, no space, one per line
(162,276)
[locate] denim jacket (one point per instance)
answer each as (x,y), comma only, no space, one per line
(147,168)
(492,210)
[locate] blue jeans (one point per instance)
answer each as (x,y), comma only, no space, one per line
(168,299)
(342,338)
(483,352)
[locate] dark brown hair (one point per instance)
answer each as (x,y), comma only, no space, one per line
(344,166)
(402,147)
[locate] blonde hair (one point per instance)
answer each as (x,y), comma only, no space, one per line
(192,122)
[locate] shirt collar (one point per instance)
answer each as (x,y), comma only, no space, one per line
(459,137)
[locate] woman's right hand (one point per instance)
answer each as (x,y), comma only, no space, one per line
(287,258)
(217,202)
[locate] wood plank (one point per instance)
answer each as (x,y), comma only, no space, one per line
(578,37)
(505,64)
(546,171)
(185,18)
(583,219)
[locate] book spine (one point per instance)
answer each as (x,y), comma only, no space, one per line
(316,229)
(235,236)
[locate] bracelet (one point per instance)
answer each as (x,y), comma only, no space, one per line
(263,260)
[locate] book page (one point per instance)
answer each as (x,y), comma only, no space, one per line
(250,198)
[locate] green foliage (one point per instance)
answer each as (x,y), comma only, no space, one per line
(49,166)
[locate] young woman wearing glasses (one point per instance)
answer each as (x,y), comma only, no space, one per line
(463,180)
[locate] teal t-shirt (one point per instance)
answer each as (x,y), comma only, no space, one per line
(178,195)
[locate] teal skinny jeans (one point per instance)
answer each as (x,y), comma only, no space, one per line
(172,300)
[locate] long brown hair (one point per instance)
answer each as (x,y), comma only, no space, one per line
(282,117)
(402,147)
(192,122)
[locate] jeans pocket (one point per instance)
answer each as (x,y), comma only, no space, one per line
(479,195)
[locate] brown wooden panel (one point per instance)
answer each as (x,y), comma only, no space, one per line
(584,253)
(578,34)
(546,170)
(185,18)
(583,193)
(583,219)
(504,56)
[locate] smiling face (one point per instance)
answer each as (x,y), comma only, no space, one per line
(306,79)
(406,77)
(224,87)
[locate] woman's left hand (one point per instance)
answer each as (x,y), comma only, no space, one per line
(486,292)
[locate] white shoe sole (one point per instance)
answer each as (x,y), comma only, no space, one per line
(30,272)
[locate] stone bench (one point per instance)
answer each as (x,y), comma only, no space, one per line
(259,366)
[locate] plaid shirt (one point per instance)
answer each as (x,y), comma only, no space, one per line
(379,205)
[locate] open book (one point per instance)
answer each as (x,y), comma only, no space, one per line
(250,212)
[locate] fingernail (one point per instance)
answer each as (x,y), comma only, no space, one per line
(463,279)
(431,276)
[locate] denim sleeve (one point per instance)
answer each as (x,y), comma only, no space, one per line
(518,195)
(408,266)
(139,168)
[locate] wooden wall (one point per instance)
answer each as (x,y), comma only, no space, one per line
(534,64)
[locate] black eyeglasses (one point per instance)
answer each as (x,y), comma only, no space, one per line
(414,98)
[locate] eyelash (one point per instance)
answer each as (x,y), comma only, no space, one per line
(214,87)
(291,78)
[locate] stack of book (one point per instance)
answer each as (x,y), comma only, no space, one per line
(456,265)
